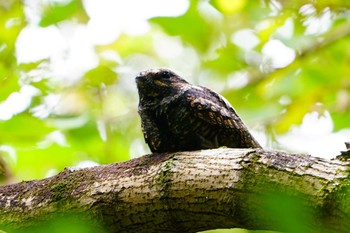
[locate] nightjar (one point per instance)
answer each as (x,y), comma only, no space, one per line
(178,116)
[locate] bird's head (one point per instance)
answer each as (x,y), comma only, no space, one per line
(158,83)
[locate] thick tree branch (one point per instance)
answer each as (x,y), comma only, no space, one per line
(188,192)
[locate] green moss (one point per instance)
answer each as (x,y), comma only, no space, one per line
(163,179)
(62,187)
(59,191)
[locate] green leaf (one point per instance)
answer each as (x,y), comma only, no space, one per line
(35,163)
(57,12)
(12,21)
(228,7)
(100,74)
(341,120)
(8,82)
(228,60)
(23,130)
(127,45)
(87,139)
(192,27)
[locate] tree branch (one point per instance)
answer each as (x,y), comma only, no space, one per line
(189,192)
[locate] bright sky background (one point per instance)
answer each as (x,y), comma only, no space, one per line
(71,51)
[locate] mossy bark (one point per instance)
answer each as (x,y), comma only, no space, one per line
(190,192)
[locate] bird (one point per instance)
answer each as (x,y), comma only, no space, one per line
(178,116)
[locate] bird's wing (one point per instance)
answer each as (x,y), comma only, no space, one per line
(216,111)
(210,107)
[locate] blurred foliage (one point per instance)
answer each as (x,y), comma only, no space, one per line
(70,223)
(286,212)
(48,122)
(94,117)
(11,22)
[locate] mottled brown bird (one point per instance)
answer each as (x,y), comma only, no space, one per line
(178,116)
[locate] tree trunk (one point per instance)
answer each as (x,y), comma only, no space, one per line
(190,192)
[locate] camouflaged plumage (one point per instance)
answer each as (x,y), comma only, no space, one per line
(178,116)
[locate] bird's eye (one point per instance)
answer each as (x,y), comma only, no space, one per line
(165,74)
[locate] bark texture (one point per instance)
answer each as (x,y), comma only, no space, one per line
(190,192)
